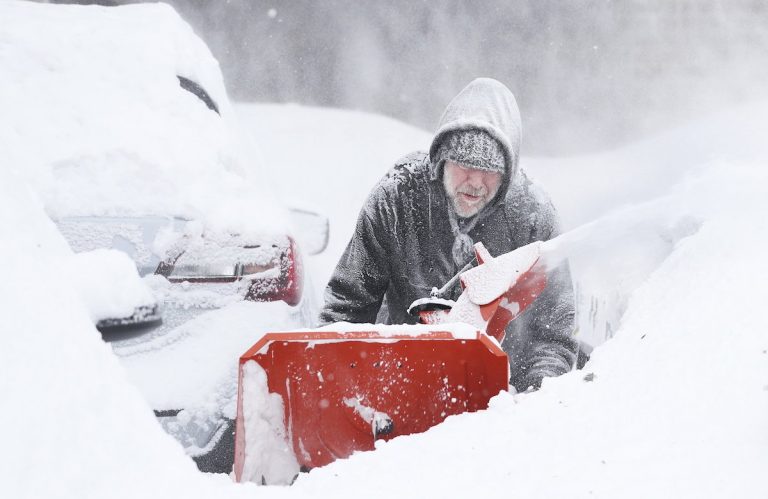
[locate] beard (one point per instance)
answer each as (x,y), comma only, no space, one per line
(467,201)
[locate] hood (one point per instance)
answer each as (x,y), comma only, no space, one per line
(484,104)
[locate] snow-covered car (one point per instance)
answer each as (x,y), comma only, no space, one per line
(122,119)
(263,267)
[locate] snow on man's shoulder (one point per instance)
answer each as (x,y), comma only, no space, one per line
(407,169)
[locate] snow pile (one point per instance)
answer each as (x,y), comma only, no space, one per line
(628,218)
(263,415)
(97,122)
(76,426)
(611,256)
(109,284)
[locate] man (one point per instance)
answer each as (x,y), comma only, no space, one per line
(417,229)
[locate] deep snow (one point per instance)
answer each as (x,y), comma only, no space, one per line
(674,405)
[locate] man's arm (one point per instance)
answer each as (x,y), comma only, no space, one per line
(548,346)
(551,347)
(357,286)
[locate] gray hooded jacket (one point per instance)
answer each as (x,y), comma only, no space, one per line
(402,245)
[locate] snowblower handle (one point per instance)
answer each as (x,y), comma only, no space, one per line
(439,293)
(499,289)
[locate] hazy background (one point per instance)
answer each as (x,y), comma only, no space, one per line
(588,74)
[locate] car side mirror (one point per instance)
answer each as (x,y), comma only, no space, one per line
(310,230)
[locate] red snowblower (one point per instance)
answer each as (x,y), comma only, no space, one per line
(329,392)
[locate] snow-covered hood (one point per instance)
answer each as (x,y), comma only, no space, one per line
(488,105)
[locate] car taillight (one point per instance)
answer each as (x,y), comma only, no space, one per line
(211,262)
(287,285)
(273,269)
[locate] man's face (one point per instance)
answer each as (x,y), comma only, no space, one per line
(469,189)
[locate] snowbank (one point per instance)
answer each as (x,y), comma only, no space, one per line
(263,415)
(620,211)
(75,427)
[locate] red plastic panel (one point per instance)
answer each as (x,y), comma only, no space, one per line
(506,308)
(341,391)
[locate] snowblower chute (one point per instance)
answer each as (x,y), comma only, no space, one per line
(346,385)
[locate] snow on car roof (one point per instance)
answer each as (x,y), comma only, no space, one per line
(97,121)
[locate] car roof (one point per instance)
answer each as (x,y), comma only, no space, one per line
(117,111)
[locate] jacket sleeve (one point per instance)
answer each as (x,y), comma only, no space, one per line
(551,347)
(357,286)
(547,347)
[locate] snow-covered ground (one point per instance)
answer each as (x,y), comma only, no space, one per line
(675,405)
